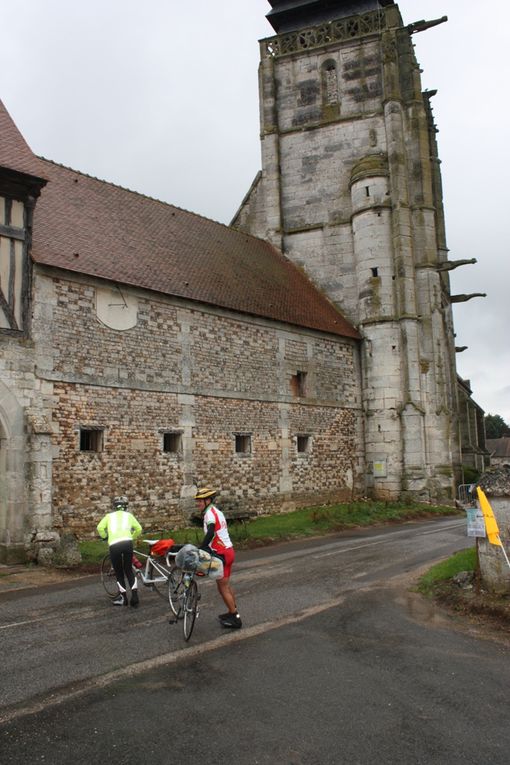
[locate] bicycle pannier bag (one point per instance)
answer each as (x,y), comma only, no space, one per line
(187,558)
(209,565)
(190,558)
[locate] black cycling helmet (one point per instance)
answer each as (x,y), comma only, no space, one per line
(120,503)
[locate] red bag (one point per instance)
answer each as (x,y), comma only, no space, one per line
(161,547)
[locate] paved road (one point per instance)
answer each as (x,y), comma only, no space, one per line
(338,663)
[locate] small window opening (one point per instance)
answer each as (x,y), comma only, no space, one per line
(367,191)
(298,384)
(172,442)
(375,271)
(330,81)
(303,444)
(91,440)
(243,443)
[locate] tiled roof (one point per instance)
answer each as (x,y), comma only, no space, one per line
(15,153)
(92,227)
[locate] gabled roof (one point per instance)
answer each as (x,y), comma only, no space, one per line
(92,227)
(15,154)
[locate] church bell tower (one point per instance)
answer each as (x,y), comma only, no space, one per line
(350,190)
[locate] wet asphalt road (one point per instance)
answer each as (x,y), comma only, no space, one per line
(337,663)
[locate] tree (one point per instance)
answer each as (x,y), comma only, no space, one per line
(495,426)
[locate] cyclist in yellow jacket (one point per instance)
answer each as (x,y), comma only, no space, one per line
(120,527)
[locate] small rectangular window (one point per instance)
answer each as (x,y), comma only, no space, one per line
(91,440)
(303,444)
(243,443)
(298,384)
(172,442)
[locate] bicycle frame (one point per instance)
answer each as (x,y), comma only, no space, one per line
(153,574)
(146,573)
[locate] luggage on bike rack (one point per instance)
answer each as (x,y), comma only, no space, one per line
(161,547)
(190,558)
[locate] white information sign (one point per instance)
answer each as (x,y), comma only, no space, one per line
(475,522)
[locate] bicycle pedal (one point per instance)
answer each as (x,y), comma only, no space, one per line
(172,621)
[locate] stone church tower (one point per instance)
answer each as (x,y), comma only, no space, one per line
(350,190)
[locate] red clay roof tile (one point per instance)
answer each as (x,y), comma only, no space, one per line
(15,153)
(93,227)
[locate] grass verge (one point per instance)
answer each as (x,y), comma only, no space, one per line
(442,572)
(280,527)
(471,601)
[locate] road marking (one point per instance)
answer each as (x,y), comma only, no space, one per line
(319,551)
(76,690)
(380,541)
(350,549)
(86,613)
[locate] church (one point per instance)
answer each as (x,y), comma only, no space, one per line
(305,354)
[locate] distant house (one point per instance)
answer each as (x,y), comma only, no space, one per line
(499,449)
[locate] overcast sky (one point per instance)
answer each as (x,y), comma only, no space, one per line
(162,97)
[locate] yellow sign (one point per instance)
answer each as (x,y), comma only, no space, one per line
(491,525)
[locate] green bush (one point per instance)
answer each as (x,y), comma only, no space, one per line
(471,475)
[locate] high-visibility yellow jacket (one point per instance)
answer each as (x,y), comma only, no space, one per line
(118,526)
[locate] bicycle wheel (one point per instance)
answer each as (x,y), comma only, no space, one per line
(176,591)
(108,578)
(190,606)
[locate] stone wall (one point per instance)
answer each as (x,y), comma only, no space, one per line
(494,568)
(25,450)
(350,191)
(208,376)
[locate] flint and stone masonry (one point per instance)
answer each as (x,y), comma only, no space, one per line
(207,377)
(350,190)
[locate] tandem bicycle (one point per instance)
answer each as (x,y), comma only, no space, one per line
(158,572)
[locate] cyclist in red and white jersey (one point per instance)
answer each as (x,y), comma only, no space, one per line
(217,541)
